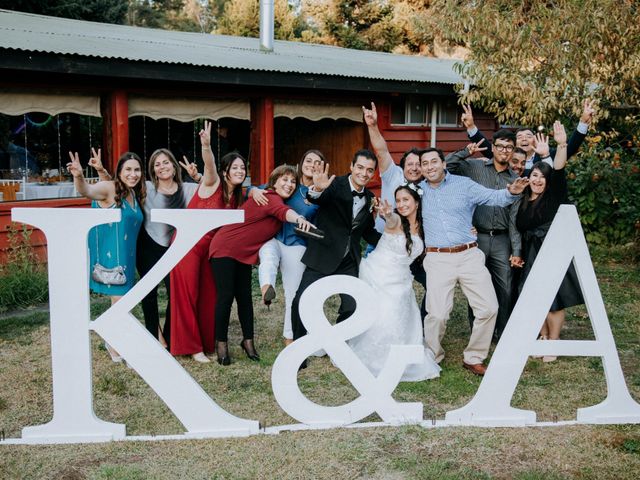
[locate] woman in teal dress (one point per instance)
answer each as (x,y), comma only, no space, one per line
(114,244)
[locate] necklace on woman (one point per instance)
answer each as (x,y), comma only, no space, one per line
(170,190)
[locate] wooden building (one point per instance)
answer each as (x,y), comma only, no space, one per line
(128,88)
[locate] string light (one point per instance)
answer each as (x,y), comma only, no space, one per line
(26,150)
(59,151)
(144,137)
(90,142)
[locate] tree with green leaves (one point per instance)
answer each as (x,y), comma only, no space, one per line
(242,18)
(530,62)
(107,11)
(360,24)
(182,15)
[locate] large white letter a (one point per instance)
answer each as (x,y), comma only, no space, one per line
(492,403)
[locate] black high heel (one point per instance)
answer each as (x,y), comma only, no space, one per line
(250,350)
(223,353)
(269,296)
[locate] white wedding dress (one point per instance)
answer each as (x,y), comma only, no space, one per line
(386,270)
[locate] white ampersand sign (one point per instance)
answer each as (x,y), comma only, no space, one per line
(375,392)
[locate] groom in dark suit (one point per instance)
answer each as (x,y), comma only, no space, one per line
(345,215)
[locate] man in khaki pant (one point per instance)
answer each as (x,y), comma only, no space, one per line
(452,255)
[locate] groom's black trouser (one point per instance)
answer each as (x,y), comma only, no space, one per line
(348,266)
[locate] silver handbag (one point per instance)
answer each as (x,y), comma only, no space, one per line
(109,276)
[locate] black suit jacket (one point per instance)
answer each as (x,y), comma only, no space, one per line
(341,231)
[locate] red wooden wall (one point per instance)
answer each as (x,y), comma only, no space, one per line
(337,142)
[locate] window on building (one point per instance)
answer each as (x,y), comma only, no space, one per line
(410,111)
(448,113)
(34,152)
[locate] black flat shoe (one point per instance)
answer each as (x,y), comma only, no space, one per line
(249,349)
(224,361)
(269,296)
(303,365)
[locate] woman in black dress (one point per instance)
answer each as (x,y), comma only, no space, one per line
(547,190)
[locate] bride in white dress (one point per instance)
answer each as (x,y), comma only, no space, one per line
(386,270)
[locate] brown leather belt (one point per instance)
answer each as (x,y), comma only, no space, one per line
(456,249)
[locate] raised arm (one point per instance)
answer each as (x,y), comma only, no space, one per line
(101,191)
(560,136)
(377,140)
(473,133)
(210,178)
(579,134)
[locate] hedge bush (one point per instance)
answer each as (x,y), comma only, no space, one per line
(604,184)
(23,280)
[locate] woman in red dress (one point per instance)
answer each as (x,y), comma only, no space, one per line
(193,291)
(235,249)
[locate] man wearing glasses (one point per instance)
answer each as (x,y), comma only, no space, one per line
(525,138)
(499,243)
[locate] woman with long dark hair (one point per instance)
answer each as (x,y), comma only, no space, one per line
(235,249)
(165,189)
(193,291)
(112,246)
(387,270)
(538,206)
(285,250)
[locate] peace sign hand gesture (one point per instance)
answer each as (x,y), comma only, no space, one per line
(190,168)
(74,166)
(321,178)
(205,135)
(96,159)
(467,117)
(475,147)
(588,109)
(384,209)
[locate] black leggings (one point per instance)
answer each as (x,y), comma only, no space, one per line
(233,280)
(148,252)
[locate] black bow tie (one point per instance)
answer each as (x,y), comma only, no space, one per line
(357,194)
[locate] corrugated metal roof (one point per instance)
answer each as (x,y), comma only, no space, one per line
(37,33)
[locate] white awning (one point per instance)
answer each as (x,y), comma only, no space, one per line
(316,111)
(21,102)
(188,109)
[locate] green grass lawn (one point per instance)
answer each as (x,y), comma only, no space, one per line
(553,390)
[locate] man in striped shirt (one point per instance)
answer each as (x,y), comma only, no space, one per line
(448,204)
